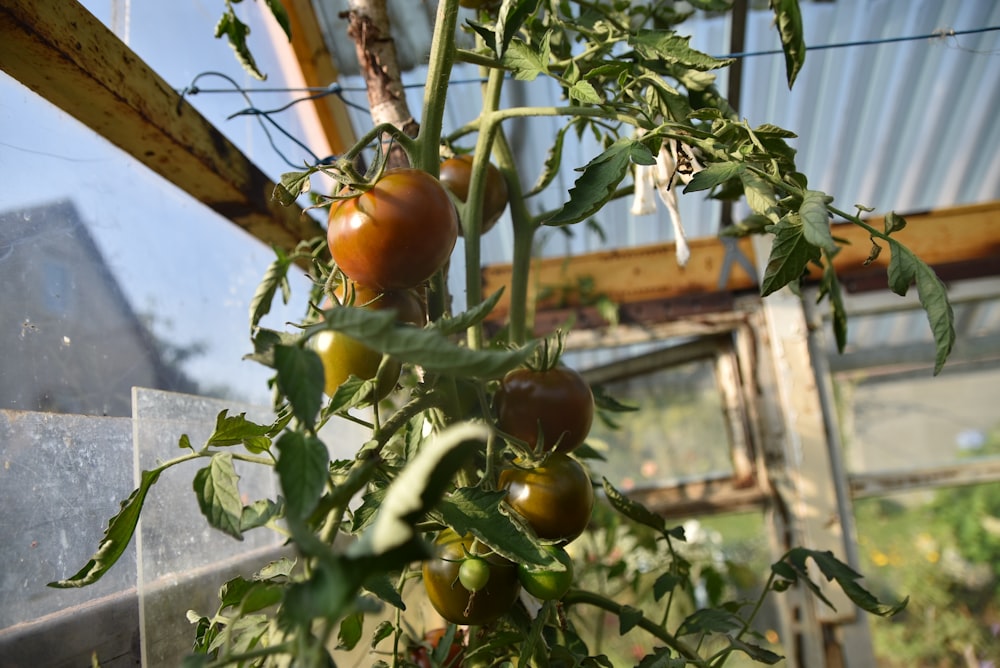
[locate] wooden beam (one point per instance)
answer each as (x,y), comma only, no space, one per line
(959,242)
(63,53)
(319,69)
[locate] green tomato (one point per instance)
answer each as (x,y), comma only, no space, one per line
(548,585)
(474,573)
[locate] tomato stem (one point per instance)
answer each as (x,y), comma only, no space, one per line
(442,57)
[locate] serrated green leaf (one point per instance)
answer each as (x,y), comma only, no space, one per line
(788,20)
(302,470)
(830,287)
(426,348)
(815,217)
(755,652)
(713,175)
(477,511)
(470,318)
(236,33)
(510,18)
(845,576)
(633,509)
(628,619)
(116,537)
(673,48)
(906,268)
(217,489)
(710,620)
(237,430)
(553,160)
(281,16)
(584,91)
(351,628)
(417,488)
(525,62)
(264,343)
(248,595)
(385,629)
(665,584)
(258,514)
(596,185)
(275,277)
(300,379)
(790,254)
(385,590)
(279,569)
(759,195)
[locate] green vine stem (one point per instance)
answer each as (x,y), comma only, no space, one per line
(579,596)
(442,57)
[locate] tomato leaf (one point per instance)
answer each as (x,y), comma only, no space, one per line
(281,16)
(755,652)
(470,318)
(628,619)
(905,268)
(584,91)
(477,511)
(815,218)
(236,32)
(275,277)
(670,47)
(351,628)
(217,489)
(633,509)
(417,488)
(837,571)
(788,19)
(790,253)
(385,590)
(596,185)
(427,348)
(120,529)
(710,620)
(525,62)
(553,160)
(258,514)
(829,287)
(303,463)
(510,18)
(300,378)
(237,430)
(714,174)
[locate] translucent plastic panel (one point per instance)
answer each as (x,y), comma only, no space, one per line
(182,559)
(61,479)
(679,430)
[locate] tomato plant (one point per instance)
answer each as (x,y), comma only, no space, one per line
(554,406)
(455,175)
(500,491)
(555,497)
(453,601)
(396,234)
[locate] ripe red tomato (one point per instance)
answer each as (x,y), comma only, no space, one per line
(548,585)
(419,654)
(453,601)
(343,356)
(556,402)
(555,498)
(395,235)
(455,175)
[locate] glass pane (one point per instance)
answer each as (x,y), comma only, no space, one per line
(916,420)
(679,430)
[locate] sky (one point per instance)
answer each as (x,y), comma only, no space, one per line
(175,258)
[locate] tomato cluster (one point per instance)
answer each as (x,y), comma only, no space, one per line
(497,589)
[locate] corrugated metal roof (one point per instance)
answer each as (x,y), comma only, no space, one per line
(904,126)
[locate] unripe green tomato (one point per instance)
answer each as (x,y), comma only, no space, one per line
(548,585)
(474,573)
